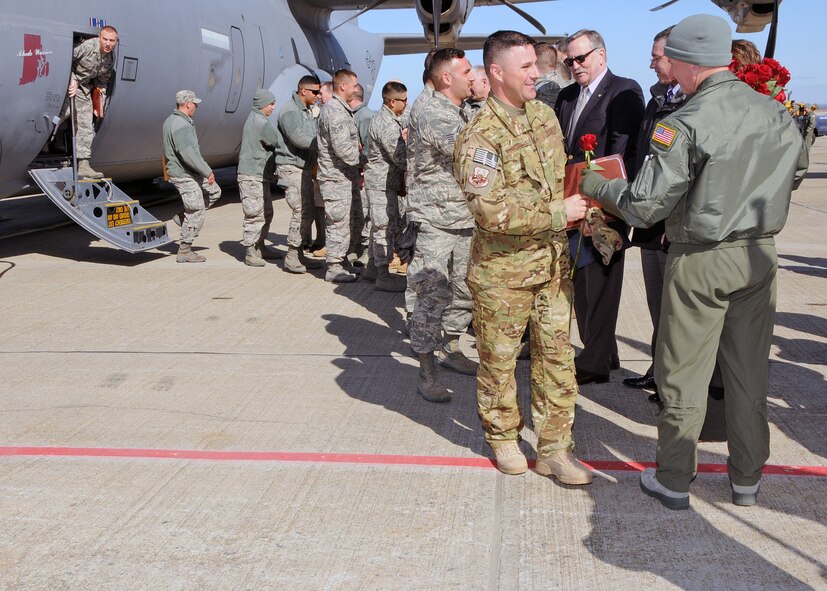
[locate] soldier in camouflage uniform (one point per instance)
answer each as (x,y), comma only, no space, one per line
(437,272)
(92,63)
(295,158)
(362,115)
(510,163)
(339,159)
(549,83)
(411,180)
(256,165)
(188,172)
(384,178)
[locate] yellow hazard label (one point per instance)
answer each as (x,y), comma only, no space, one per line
(119,215)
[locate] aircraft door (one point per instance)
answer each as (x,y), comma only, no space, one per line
(237,79)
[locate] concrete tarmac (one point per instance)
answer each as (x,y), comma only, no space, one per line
(217,426)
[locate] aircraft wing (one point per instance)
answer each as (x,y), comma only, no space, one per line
(415,43)
(360,4)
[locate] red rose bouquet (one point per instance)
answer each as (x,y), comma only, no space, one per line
(768,77)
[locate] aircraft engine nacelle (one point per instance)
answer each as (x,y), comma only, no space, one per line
(453,15)
(751,16)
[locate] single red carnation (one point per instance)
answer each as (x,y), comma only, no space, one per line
(588,142)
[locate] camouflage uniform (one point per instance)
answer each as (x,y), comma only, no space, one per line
(411,180)
(339,177)
(437,272)
(363,117)
(91,69)
(256,165)
(295,158)
(384,177)
(188,173)
(548,86)
(510,164)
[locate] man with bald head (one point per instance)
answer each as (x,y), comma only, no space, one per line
(510,163)
(479,88)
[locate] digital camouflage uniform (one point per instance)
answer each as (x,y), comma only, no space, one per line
(295,158)
(411,180)
(510,164)
(437,272)
(724,197)
(339,178)
(188,173)
(384,177)
(91,69)
(256,165)
(548,86)
(363,117)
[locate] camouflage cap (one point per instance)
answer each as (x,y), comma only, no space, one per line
(186,96)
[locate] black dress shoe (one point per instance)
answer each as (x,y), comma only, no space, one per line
(587,377)
(655,398)
(647,382)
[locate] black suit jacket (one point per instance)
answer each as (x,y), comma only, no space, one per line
(613,114)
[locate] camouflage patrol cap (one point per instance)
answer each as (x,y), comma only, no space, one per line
(186,96)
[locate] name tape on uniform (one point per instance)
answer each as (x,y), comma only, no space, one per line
(664,135)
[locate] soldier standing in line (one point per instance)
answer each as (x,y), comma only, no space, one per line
(92,63)
(188,172)
(255,170)
(363,115)
(510,162)
(437,272)
(808,125)
(724,198)
(479,89)
(295,158)
(549,82)
(339,159)
(384,178)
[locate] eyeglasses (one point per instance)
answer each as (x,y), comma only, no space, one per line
(569,61)
(401,100)
(314,91)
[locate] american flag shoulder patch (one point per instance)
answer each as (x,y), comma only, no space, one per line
(664,135)
(485,157)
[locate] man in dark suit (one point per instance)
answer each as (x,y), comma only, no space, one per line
(611,108)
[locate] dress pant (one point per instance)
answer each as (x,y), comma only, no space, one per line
(597,290)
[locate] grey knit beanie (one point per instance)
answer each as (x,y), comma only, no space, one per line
(701,39)
(262,98)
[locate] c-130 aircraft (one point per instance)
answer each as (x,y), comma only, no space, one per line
(223,51)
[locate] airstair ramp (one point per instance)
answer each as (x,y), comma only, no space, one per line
(101,208)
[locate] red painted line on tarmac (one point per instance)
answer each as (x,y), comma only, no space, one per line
(379,459)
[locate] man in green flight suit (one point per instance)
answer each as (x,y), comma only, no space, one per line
(510,162)
(724,198)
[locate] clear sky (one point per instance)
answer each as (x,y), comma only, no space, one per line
(628,28)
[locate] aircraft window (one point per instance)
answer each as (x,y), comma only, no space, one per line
(215,40)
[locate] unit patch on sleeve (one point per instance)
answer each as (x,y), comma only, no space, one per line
(479,177)
(664,135)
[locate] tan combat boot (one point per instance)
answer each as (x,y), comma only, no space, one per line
(565,467)
(385,281)
(252,258)
(186,255)
(292,263)
(429,387)
(453,358)
(85,171)
(509,457)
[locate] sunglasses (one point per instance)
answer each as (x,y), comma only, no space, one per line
(569,61)
(312,90)
(401,100)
